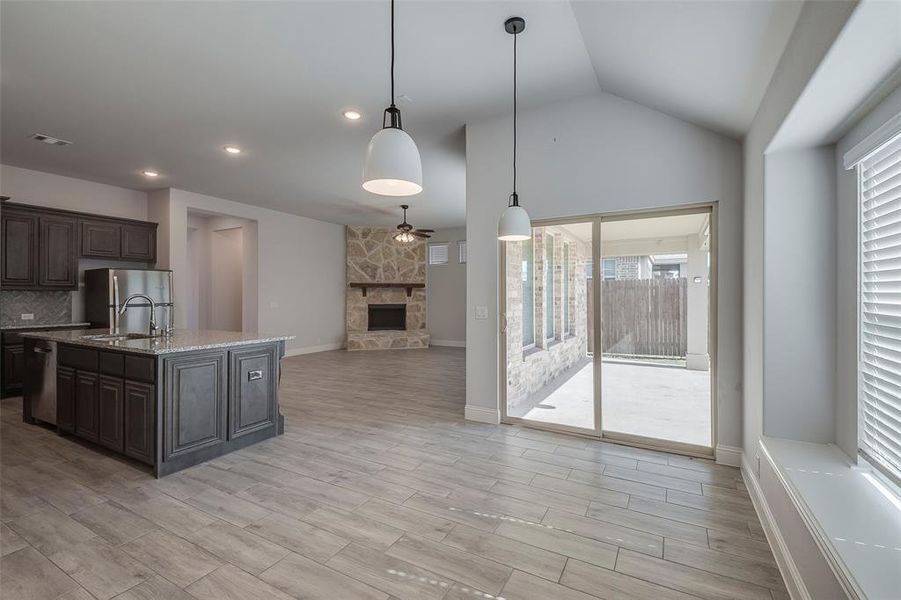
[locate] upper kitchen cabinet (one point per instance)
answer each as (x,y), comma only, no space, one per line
(139,242)
(118,240)
(57,260)
(41,246)
(20,250)
(101,239)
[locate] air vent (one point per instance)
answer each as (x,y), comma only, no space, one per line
(47,139)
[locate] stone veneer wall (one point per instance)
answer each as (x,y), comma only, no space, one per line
(374,256)
(531,369)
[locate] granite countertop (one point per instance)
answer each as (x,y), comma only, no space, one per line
(42,326)
(181,340)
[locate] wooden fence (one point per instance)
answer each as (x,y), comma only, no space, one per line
(644,317)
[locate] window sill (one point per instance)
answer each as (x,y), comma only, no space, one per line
(856,525)
(530,352)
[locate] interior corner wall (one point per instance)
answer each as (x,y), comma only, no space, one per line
(300,263)
(446,292)
(592,155)
(818,25)
(799,295)
(846,273)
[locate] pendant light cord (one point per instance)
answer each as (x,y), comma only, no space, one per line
(392,53)
(514,199)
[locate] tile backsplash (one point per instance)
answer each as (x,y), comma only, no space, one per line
(47,307)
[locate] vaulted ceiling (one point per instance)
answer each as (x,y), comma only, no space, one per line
(165,85)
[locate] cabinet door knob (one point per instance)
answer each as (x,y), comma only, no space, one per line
(254,375)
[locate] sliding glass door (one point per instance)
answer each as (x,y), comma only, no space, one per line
(549,333)
(607,328)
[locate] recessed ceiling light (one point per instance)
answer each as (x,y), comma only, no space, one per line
(150,173)
(232,149)
(352,115)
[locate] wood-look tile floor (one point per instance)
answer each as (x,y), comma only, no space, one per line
(378,490)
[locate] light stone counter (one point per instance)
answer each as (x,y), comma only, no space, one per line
(181,340)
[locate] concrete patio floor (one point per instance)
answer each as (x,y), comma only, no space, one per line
(667,403)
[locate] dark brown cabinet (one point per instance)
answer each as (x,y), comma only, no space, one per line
(196,401)
(252,390)
(108,398)
(65,399)
(57,253)
(111,391)
(138,243)
(20,247)
(13,367)
(87,392)
(139,402)
(100,239)
(41,246)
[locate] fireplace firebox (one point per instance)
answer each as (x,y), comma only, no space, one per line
(387,317)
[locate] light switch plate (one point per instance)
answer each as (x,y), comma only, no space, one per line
(481,313)
(28,316)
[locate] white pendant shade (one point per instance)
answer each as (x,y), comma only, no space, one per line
(392,166)
(514,225)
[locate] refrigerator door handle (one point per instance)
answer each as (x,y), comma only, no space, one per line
(115,304)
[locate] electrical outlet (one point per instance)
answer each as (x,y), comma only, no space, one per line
(273,304)
(28,316)
(481,313)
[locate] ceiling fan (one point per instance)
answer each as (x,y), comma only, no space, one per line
(406,233)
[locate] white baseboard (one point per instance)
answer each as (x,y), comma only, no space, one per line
(728,455)
(793,582)
(482,415)
(312,349)
(451,343)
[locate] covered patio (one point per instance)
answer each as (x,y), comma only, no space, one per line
(666,402)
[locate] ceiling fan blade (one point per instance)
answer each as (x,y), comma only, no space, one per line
(426,230)
(420,234)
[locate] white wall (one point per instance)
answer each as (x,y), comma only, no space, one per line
(799,295)
(818,25)
(593,155)
(55,191)
(846,274)
(294,265)
(446,292)
(227,266)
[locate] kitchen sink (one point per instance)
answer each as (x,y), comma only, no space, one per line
(116,337)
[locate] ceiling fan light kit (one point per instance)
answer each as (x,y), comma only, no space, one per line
(392,166)
(406,233)
(514,224)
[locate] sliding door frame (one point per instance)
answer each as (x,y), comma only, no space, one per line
(597,432)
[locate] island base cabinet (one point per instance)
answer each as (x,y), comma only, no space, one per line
(139,431)
(195,403)
(65,399)
(110,399)
(253,390)
(87,392)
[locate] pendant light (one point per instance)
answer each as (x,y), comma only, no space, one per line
(392,166)
(514,225)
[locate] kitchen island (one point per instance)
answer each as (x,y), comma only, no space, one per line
(170,402)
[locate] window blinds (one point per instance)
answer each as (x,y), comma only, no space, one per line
(880,306)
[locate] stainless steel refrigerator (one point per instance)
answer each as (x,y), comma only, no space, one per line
(107,289)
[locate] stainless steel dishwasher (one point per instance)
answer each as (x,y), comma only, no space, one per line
(41,389)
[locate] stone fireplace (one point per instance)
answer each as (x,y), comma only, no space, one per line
(385,294)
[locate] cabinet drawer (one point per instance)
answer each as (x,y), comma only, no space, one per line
(79,358)
(140,368)
(111,363)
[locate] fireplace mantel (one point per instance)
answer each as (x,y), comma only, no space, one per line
(372,284)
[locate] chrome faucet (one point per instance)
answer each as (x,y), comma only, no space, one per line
(153,329)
